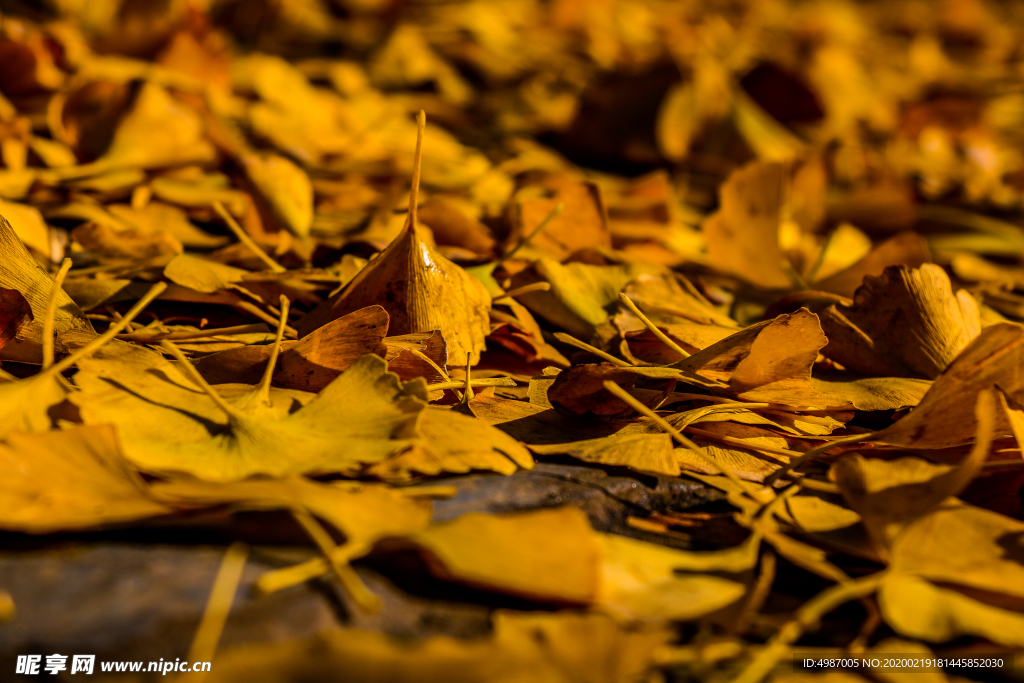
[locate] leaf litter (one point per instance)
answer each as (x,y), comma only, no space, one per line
(240,275)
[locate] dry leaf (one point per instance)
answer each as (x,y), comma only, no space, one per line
(640,452)
(421,291)
(907,323)
(20,272)
(71,479)
(162,421)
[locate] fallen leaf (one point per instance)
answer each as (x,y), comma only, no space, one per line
(285,187)
(545,555)
(640,452)
(253,435)
(454,444)
(71,479)
(20,272)
(907,323)
(945,416)
(918,609)
(525,647)
(411,280)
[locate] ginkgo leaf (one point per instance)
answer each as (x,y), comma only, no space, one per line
(285,187)
(202,275)
(905,249)
(641,452)
(20,272)
(870,393)
(311,363)
(127,244)
(25,404)
(644,581)
(181,139)
(29,226)
(547,555)
(769,361)
(157,217)
(673,299)
(526,647)
(257,438)
(583,223)
(363,512)
(317,358)
(760,205)
(918,609)
(746,463)
(580,293)
(419,288)
(520,554)
(15,313)
(643,346)
(945,415)
(906,323)
(70,479)
(451,223)
(963,545)
(890,494)
(454,443)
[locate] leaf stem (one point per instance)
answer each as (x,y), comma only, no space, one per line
(652,327)
(111,332)
(573,341)
(193,374)
(559,207)
(810,455)
(346,575)
(244,238)
(460,384)
(51,312)
(417,162)
(636,405)
(225,585)
(806,618)
(268,374)
(525,289)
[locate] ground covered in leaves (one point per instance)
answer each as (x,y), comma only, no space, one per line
(673,339)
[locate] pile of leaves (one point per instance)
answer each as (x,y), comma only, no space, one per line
(772,247)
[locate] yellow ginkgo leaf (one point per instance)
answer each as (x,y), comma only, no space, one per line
(70,479)
(285,187)
(419,288)
(906,323)
(526,647)
(362,417)
(554,556)
(20,272)
(918,609)
(158,131)
(641,452)
(454,444)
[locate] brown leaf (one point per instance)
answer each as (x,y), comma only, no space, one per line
(582,224)
(763,206)
(945,416)
(580,391)
(420,289)
(15,313)
(19,271)
(906,323)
